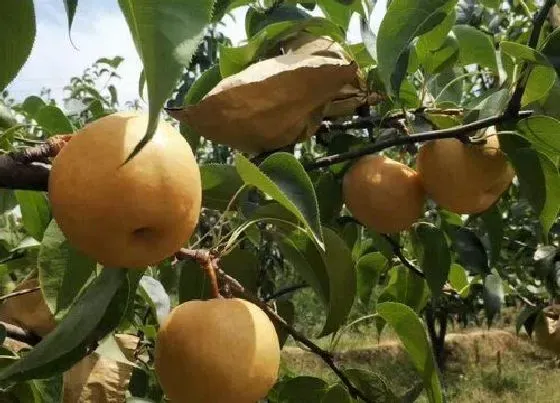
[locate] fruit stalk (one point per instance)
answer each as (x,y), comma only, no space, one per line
(204,257)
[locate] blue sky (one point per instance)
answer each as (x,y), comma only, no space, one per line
(99,30)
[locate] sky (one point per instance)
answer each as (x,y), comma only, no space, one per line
(99,30)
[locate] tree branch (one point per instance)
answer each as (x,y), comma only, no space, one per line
(286,290)
(19,171)
(19,334)
(398,253)
(453,132)
(18,293)
(204,256)
(514,104)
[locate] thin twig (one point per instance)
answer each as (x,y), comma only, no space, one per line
(204,257)
(286,290)
(17,333)
(18,293)
(453,132)
(398,253)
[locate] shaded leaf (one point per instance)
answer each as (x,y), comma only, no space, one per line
(17,35)
(69,341)
(219,183)
(286,310)
(526,318)
(371,385)
(193,282)
(492,295)
(542,133)
(63,270)
(302,389)
(166,35)
(369,268)
(494,225)
(337,394)
(470,249)
(32,105)
(432,253)
(411,333)
(157,297)
(35,212)
(242,264)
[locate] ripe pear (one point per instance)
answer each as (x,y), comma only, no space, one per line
(126,215)
(383,194)
(547,333)
(464,178)
(215,351)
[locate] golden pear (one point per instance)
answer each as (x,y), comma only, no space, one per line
(383,194)
(129,215)
(464,178)
(216,351)
(547,332)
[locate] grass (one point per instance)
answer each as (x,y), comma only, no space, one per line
(483,366)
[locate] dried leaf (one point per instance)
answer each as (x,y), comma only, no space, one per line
(271,104)
(28,311)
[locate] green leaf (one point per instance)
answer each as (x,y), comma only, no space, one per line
(494,225)
(233,60)
(542,133)
(458,277)
(242,264)
(523,53)
(70,7)
(302,389)
(438,59)
(339,13)
(371,385)
(541,79)
(337,394)
(432,253)
(220,182)
(53,120)
(551,49)
(202,86)
(32,105)
(35,212)
(193,282)
(492,295)
(470,249)
(256,20)
(84,325)
(286,310)
(538,177)
(404,21)
(405,287)
(283,178)
(63,270)
(369,269)
(166,34)
(156,296)
(329,195)
(342,281)
(17,35)
(330,273)
(411,333)
(476,47)
(435,38)
(48,390)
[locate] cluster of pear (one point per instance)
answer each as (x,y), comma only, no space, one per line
(388,196)
(138,213)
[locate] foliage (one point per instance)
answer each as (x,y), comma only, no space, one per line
(277,220)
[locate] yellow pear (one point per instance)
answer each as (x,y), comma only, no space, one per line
(129,215)
(383,194)
(464,178)
(547,332)
(216,351)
